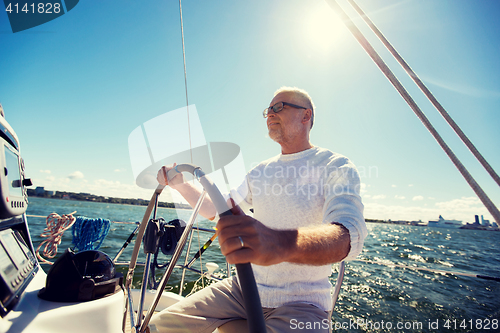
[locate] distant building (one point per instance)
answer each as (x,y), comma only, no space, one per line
(484,222)
(40,190)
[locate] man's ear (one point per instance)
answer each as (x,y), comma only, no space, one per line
(307,116)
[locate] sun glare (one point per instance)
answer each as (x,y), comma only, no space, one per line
(323,30)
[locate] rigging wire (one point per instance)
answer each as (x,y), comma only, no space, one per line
(416,109)
(427,93)
(185,79)
(187,105)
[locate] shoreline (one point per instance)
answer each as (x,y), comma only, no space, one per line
(98,198)
(468,226)
(142,202)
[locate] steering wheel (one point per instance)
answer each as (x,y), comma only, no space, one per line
(255,317)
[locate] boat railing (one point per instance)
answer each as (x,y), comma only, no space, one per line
(244,271)
(187,266)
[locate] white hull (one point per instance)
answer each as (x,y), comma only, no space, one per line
(34,315)
(442,223)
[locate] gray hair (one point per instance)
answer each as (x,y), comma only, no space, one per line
(300,94)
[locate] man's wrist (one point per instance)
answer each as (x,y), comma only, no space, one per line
(288,241)
(179,187)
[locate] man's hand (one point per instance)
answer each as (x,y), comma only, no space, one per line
(317,245)
(261,245)
(163,179)
(188,191)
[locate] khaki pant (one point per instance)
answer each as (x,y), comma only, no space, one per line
(222,302)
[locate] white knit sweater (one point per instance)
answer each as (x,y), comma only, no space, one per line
(308,188)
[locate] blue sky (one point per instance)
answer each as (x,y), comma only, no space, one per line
(76,87)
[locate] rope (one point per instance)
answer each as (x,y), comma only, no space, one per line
(416,109)
(119,222)
(428,94)
(56,226)
(88,234)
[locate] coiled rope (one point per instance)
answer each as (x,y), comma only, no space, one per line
(88,234)
(56,226)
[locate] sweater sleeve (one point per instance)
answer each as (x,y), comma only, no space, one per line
(343,202)
(241,195)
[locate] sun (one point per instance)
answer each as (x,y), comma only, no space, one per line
(323,29)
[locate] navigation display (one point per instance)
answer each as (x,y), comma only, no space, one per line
(6,265)
(17,268)
(13,173)
(10,242)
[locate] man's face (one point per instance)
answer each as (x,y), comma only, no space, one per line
(286,124)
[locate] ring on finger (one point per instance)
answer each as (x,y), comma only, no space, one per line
(241,242)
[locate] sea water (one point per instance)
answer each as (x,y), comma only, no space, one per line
(374,298)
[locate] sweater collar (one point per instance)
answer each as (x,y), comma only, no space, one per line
(296,156)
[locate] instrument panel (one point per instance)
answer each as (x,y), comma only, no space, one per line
(18,266)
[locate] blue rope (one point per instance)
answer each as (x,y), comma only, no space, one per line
(88,234)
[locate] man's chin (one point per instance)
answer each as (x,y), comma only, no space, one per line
(275,136)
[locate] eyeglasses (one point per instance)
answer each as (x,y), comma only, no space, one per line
(278,107)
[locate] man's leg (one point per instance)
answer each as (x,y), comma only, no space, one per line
(203,311)
(296,317)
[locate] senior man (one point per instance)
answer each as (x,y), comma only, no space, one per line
(307,214)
